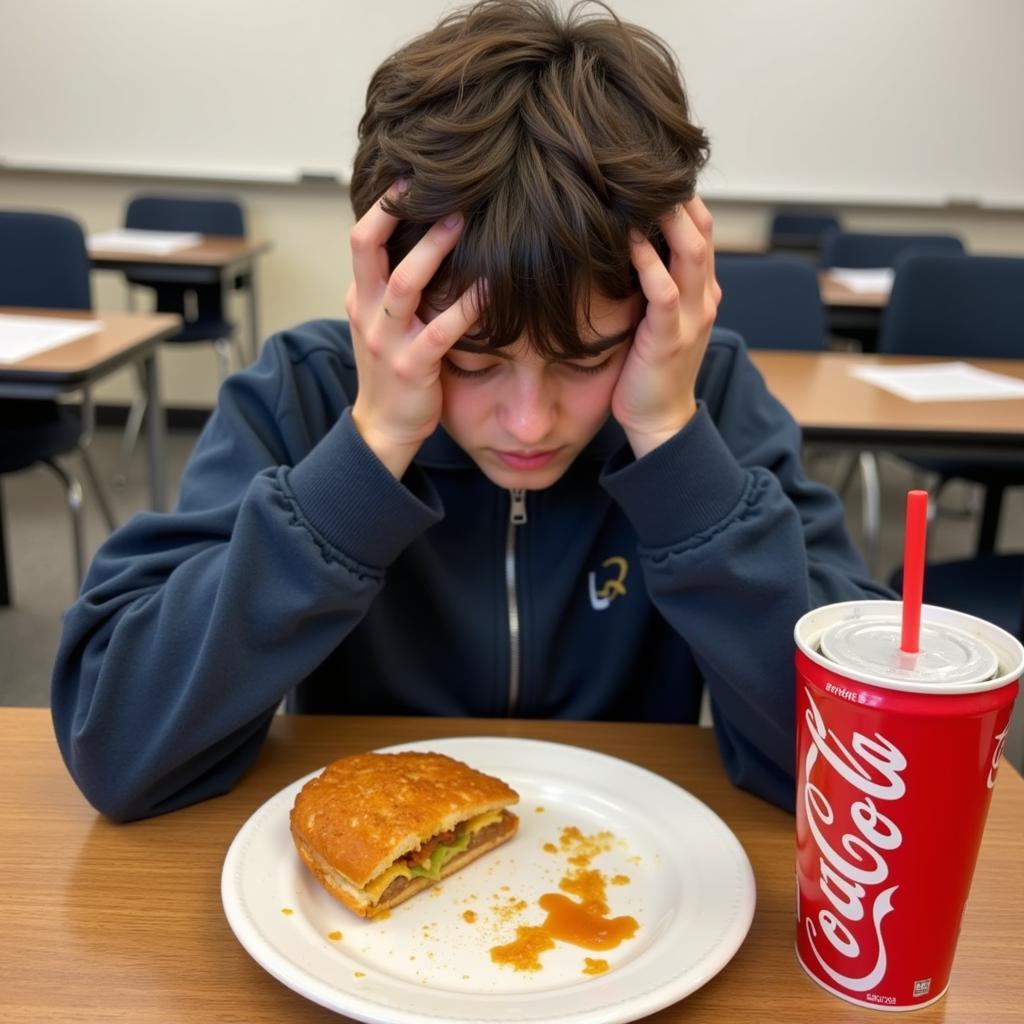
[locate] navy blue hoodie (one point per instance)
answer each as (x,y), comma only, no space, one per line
(295,565)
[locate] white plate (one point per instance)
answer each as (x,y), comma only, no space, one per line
(690,888)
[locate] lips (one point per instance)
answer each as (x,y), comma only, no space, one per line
(527,460)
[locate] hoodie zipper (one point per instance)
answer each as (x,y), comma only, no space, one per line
(517,517)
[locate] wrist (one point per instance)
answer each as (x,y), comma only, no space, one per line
(642,442)
(395,456)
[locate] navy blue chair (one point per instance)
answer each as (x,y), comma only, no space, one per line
(955,307)
(44,263)
(775,302)
(772,301)
(196,294)
(862,250)
(802,232)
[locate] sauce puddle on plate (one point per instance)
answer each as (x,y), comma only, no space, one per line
(582,922)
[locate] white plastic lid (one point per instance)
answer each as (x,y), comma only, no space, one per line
(872,645)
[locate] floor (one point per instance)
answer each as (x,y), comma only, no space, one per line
(40,563)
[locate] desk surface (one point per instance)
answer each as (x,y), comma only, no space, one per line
(835,293)
(121,338)
(212,251)
(103,920)
(827,402)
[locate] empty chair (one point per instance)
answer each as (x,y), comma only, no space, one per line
(802,232)
(44,263)
(194,293)
(961,307)
(772,301)
(863,250)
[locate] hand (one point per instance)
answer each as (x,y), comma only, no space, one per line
(398,357)
(654,397)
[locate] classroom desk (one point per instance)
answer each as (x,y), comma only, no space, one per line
(123,338)
(104,920)
(836,409)
(223,256)
(837,295)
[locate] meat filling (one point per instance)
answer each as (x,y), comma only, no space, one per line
(492,831)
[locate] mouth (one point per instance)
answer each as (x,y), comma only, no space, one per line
(527,460)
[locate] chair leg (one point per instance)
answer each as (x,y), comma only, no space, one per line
(222,348)
(130,437)
(990,519)
(871,507)
(73,489)
(98,489)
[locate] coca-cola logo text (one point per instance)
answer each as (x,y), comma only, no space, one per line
(852,868)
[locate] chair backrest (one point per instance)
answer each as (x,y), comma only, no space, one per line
(215,216)
(956,306)
(772,301)
(861,250)
(43,261)
(802,228)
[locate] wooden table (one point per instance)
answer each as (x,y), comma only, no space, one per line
(836,294)
(123,338)
(104,921)
(225,257)
(833,407)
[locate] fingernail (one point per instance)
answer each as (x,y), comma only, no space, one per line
(635,237)
(453,220)
(403,185)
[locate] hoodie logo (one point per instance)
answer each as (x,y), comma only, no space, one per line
(612,587)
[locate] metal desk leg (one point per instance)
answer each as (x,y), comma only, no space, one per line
(254,329)
(5,590)
(149,373)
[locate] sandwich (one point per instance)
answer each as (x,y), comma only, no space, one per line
(375,829)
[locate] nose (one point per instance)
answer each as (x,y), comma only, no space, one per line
(528,411)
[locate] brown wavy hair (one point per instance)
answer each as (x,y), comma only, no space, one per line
(553,134)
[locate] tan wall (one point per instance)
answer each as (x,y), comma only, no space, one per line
(308,270)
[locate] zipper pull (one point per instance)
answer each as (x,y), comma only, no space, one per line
(517,510)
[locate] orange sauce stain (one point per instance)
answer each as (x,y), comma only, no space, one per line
(469,916)
(584,924)
(334,936)
(358,974)
(539,810)
(287,910)
(581,921)
(524,952)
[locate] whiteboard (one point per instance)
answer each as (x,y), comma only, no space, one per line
(889,101)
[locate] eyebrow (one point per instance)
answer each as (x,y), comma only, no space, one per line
(593,349)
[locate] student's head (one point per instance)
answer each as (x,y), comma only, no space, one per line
(553,134)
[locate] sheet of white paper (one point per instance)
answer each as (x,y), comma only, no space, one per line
(154,243)
(941,382)
(24,336)
(874,279)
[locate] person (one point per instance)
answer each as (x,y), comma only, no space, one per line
(525,478)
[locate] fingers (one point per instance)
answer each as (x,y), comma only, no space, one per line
(688,284)
(434,341)
(368,240)
(404,289)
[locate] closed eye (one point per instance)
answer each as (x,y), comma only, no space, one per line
(590,368)
(461,371)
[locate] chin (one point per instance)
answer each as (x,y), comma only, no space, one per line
(524,480)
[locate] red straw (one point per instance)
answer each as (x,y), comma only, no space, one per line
(913,569)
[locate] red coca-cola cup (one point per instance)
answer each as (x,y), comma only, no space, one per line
(897,755)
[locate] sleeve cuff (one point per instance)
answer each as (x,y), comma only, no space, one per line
(352,500)
(683,487)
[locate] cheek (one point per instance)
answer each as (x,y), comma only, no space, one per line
(462,406)
(589,401)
